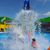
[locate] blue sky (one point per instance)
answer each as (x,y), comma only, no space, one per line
(9,8)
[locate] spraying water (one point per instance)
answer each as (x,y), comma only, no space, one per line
(24,31)
(25,27)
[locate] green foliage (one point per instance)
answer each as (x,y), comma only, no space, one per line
(4,18)
(45,19)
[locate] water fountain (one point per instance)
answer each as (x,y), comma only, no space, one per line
(25,25)
(24,30)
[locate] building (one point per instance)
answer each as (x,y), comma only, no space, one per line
(45,25)
(4,24)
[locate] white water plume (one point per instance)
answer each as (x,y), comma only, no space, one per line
(24,31)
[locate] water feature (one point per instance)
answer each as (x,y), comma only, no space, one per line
(20,36)
(24,31)
(25,27)
(4,40)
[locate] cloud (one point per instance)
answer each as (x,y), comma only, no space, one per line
(44,15)
(43,1)
(47,14)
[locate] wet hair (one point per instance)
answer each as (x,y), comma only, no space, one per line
(33,39)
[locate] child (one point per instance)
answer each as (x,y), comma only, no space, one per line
(34,45)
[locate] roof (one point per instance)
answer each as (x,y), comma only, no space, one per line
(45,19)
(4,18)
